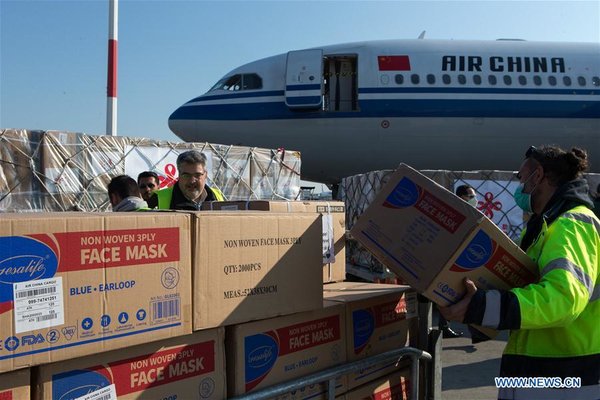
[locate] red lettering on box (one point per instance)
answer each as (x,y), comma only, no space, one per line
(6,395)
(150,370)
(115,248)
(387,313)
(509,269)
(398,391)
(309,334)
(440,212)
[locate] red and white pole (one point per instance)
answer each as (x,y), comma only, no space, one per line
(111,87)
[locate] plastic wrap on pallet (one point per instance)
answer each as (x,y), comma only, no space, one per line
(19,166)
(59,171)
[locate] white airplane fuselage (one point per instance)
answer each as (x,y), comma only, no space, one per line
(358,107)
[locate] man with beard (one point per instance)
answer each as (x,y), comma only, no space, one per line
(149,183)
(554,322)
(191,189)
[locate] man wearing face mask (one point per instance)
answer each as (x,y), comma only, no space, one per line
(191,189)
(554,322)
(467,193)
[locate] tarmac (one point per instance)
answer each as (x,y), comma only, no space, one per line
(468,370)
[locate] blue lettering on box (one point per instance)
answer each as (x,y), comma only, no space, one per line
(477,253)
(405,194)
(76,383)
(261,352)
(23,259)
(364,326)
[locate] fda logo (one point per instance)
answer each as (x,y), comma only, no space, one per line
(69,331)
(12,343)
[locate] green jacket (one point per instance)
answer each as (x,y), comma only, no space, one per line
(560,315)
(554,322)
(165,197)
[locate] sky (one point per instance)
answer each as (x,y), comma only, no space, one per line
(53,55)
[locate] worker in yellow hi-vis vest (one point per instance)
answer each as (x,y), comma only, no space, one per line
(190,190)
(554,322)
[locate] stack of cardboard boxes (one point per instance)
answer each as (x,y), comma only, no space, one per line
(166,305)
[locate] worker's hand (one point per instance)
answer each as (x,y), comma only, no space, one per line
(456,312)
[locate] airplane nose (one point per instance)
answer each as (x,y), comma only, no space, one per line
(181,126)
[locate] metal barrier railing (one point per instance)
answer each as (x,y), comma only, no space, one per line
(331,374)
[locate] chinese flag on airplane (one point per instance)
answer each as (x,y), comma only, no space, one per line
(393,63)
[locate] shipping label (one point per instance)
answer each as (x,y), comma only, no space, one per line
(106,393)
(328,240)
(38,304)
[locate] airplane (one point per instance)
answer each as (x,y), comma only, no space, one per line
(432,104)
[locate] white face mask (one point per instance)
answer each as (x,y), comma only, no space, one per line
(473,201)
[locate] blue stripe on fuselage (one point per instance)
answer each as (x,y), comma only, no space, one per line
(398,109)
(453,90)
(237,95)
(474,90)
(303,87)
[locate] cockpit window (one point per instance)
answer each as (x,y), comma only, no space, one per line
(239,82)
(251,82)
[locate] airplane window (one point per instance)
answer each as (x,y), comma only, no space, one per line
(581,81)
(251,82)
(229,83)
(507,80)
(537,80)
(399,78)
(492,79)
(462,79)
(446,79)
(552,80)
(522,80)
(567,80)
(596,81)
(431,79)
(477,79)
(414,78)
(219,84)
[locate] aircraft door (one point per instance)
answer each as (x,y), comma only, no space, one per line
(303,79)
(341,83)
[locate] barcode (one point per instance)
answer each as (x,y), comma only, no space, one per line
(36,292)
(46,317)
(165,309)
(107,396)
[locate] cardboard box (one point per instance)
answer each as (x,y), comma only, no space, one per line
(191,366)
(395,386)
(15,385)
(334,227)
(73,284)
(250,266)
(433,240)
(378,319)
(268,352)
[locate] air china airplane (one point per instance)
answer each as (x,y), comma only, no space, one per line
(433,104)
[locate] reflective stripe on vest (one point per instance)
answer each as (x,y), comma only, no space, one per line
(559,315)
